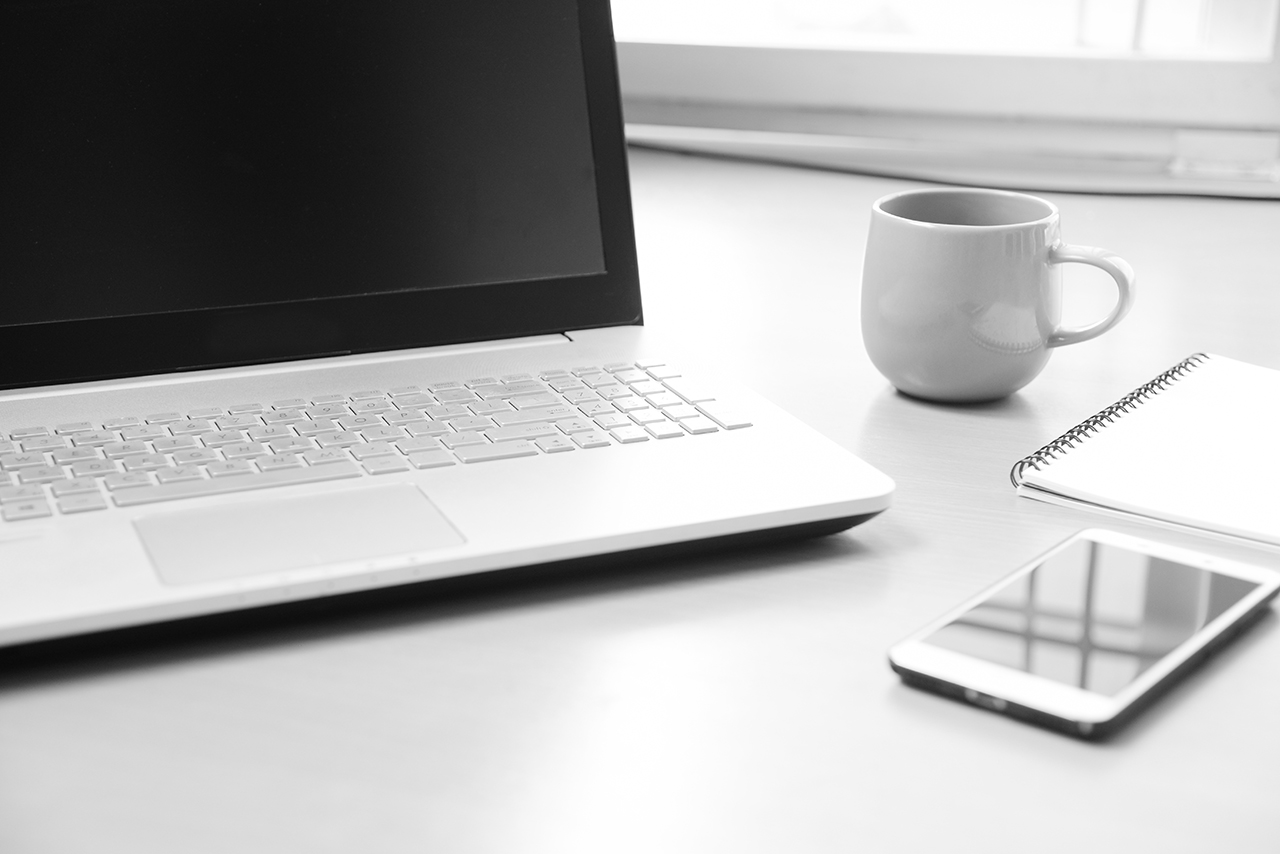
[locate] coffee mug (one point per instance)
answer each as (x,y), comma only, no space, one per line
(962,291)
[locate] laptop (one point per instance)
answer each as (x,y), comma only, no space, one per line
(304,297)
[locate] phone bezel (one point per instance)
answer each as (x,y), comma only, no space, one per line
(995,687)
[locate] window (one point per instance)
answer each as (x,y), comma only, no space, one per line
(1153,95)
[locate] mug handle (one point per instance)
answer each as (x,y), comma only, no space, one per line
(1119,269)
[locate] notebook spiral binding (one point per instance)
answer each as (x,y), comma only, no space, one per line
(1095,423)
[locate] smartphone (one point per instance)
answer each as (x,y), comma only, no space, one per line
(1084,636)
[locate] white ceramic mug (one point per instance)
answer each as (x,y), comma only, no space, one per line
(962,291)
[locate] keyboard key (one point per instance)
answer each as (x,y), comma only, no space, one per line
(456,395)
(628,435)
(191,427)
(665,430)
(271,462)
(689,390)
(13,462)
(26,510)
(596,407)
(631,374)
(119,450)
(647,416)
(289,403)
(194,456)
(373,449)
(458,440)
(426,428)
(385,465)
(520,431)
(292,445)
(82,503)
(74,427)
(664,372)
(612,421)
(229,468)
(420,443)
(648,387)
(19,494)
(179,473)
(174,443)
(45,443)
(240,451)
(131,480)
(431,459)
(283,416)
(143,432)
(95,439)
(274,431)
(529,401)
(665,399)
(488,407)
(239,483)
(94,468)
(238,422)
(574,425)
(475,422)
(28,432)
(75,486)
(117,423)
(369,407)
(382,434)
(312,428)
(360,422)
(542,413)
(591,439)
(328,410)
(444,412)
(699,424)
(66,456)
(205,413)
(503,451)
(245,408)
(341,439)
(682,411)
(164,417)
(218,438)
(630,404)
(366,394)
(326,456)
(725,417)
(554,444)
(414,401)
(613,392)
(146,462)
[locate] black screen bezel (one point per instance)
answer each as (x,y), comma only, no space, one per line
(105,348)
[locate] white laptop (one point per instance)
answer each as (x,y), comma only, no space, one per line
(303,297)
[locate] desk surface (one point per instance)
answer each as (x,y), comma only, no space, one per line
(735,703)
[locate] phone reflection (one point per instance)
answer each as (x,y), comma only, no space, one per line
(1093,615)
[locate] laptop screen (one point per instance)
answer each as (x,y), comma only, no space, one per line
(250,180)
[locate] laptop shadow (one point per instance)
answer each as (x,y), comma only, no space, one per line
(214,635)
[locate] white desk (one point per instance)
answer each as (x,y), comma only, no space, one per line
(739,703)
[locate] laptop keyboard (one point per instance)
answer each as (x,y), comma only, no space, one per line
(131,460)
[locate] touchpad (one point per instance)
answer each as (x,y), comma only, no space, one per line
(273,535)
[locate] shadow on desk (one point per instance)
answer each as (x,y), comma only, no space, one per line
(439,599)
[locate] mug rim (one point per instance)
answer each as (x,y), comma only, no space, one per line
(878,207)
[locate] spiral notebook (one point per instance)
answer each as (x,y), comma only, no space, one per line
(1197,446)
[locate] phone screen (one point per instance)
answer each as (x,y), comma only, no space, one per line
(1094,615)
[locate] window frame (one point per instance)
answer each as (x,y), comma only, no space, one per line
(1190,93)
